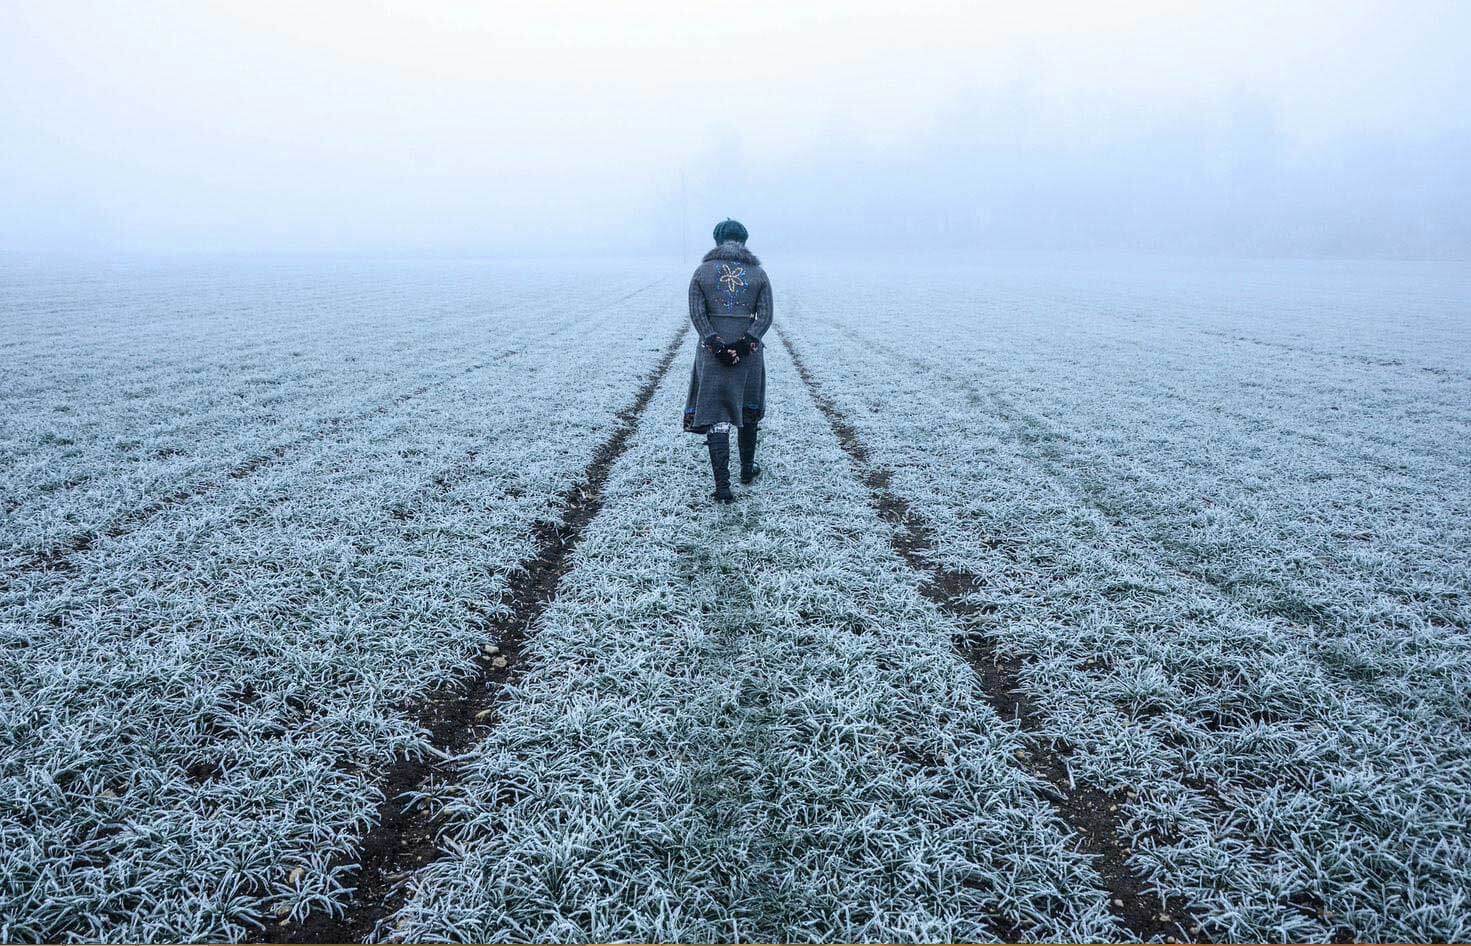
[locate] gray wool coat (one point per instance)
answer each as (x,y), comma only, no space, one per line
(730,296)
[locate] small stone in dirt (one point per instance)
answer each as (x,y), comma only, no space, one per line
(281,909)
(492,649)
(498,663)
(295,875)
(484,713)
(1117,902)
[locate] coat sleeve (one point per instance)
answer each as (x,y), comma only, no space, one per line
(762,322)
(698,314)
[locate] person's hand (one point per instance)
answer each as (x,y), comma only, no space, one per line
(746,344)
(726,354)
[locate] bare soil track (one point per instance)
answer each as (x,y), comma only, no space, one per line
(404,838)
(1090,812)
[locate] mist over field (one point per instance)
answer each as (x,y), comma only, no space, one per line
(565,128)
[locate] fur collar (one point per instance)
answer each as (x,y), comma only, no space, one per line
(731,250)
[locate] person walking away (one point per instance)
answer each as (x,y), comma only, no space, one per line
(730,306)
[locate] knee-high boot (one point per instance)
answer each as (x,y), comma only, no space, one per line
(719,444)
(746,439)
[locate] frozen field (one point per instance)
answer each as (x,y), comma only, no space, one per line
(1098,600)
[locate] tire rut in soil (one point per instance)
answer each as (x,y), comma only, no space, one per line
(404,839)
(1091,813)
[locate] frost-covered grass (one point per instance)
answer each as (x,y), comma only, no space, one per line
(1226,523)
(746,725)
(196,717)
(123,388)
(1220,511)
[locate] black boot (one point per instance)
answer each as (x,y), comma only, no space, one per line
(719,444)
(747,441)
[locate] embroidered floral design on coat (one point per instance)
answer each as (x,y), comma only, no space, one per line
(732,278)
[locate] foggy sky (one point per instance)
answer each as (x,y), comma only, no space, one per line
(422,127)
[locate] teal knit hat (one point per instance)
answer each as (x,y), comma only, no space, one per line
(729,229)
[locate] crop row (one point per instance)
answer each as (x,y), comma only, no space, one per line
(92,445)
(1267,661)
(199,713)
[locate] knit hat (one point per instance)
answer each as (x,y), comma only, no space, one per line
(729,229)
